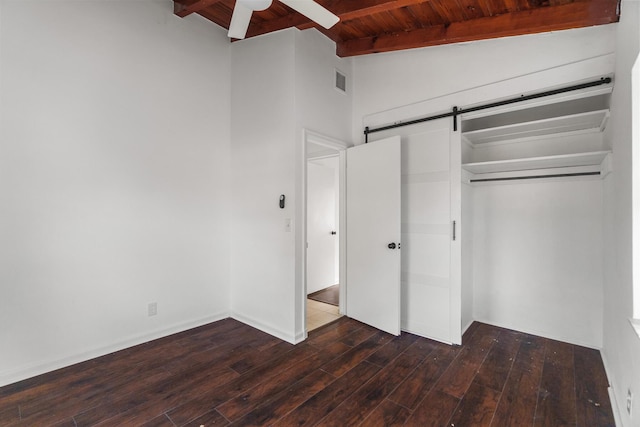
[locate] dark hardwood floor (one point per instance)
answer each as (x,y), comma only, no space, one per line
(345,374)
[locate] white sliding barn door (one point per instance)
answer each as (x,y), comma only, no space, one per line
(431,202)
(431,253)
(373,234)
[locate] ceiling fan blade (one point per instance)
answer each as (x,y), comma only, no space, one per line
(313,11)
(239,21)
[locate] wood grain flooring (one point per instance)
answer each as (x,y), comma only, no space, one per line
(345,374)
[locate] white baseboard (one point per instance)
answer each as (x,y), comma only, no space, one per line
(271,330)
(614,407)
(612,392)
(21,373)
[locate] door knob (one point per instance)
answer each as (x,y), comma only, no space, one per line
(391,245)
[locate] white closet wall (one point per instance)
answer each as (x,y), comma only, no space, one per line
(536,244)
(538,257)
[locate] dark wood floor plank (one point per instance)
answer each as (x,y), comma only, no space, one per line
(129,408)
(519,397)
(495,369)
(477,407)
(287,400)
(357,354)
(435,410)
(334,331)
(461,372)
(517,406)
(69,401)
(159,421)
(208,377)
(469,332)
(531,353)
(592,400)
(359,336)
(61,409)
(210,419)
(392,349)
(266,390)
(122,377)
(345,373)
(387,414)
(69,422)
(411,392)
(234,350)
(557,395)
(158,399)
(218,395)
(9,414)
(157,404)
(189,411)
(93,370)
(255,358)
(358,406)
(317,407)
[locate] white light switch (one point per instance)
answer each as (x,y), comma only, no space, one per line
(287,225)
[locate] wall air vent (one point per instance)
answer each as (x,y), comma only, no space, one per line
(341,82)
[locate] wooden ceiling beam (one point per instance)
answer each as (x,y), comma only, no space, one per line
(345,9)
(353,9)
(544,19)
(183,10)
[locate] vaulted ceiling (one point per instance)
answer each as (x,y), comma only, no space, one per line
(371,26)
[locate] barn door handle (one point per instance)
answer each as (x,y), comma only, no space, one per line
(454,230)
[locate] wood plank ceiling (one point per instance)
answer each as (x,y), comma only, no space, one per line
(371,26)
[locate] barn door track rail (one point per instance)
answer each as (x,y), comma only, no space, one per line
(455,112)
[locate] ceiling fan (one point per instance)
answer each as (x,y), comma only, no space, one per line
(244,9)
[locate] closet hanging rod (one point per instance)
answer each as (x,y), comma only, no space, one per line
(456,111)
(513,178)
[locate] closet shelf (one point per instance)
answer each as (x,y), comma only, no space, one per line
(592,120)
(593,158)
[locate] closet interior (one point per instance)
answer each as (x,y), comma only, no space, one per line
(533,187)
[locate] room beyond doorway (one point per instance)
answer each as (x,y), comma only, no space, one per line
(330,295)
(320,313)
(322,233)
(322,307)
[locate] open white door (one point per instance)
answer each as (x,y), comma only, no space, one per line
(431,250)
(373,234)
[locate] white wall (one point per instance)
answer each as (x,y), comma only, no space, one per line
(321,108)
(263,168)
(621,345)
(282,83)
(537,253)
(319,105)
(114,148)
(436,78)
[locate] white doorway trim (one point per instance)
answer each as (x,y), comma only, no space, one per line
(309,136)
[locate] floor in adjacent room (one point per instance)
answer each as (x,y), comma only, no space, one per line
(319,314)
(345,374)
